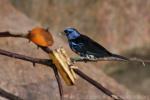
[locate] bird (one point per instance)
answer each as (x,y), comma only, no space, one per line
(85,46)
(40,36)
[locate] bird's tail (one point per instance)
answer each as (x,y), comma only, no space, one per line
(120,57)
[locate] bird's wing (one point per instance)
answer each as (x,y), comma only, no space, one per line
(92,47)
(48,37)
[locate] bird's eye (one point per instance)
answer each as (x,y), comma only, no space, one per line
(68,32)
(65,31)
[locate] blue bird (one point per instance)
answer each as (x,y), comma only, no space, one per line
(86,47)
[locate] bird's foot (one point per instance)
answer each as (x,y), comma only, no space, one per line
(90,57)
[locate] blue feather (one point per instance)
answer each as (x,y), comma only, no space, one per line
(85,46)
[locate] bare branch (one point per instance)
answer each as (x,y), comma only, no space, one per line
(26,58)
(77,59)
(85,59)
(8,34)
(49,63)
(97,85)
(47,50)
(59,82)
(39,61)
(9,96)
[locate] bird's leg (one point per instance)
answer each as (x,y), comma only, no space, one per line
(90,57)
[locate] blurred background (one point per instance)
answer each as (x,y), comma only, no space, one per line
(121,26)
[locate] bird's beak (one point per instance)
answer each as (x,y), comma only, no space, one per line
(62,33)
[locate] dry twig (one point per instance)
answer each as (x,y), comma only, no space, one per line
(47,50)
(9,96)
(8,34)
(49,64)
(97,85)
(85,59)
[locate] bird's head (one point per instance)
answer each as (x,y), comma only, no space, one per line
(71,33)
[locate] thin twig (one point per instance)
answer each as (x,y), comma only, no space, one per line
(8,34)
(59,82)
(26,58)
(85,59)
(49,63)
(39,61)
(9,96)
(47,50)
(97,85)
(77,59)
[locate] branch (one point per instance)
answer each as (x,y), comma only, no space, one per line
(9,96)
(48,51)
(26,58)
(12,34)
(97,85)
(49,63)
(85,59)
(59,82)
(33,60)
(77,59)
(39,61)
